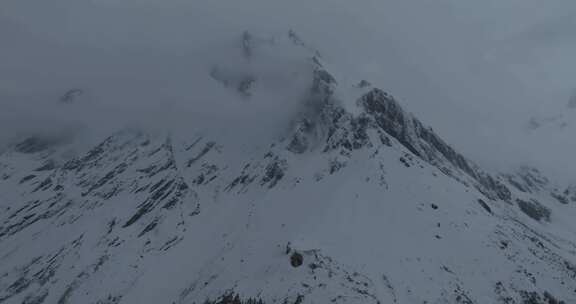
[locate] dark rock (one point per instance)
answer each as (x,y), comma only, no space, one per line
(527,179)
(570,193)
(49,165)
(245,84)
(300,142)
(534,209)
(550,299)
(296,259)
(363,84)
(299,299)
(295,39)
(149,227)
(485,206)
(27,178)
(423,142)
(231,298)
(274,172)
(201,154)
(562,199)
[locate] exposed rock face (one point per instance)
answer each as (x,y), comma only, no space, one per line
(534,210)
(389,116)
(528,179)
(531,181)
(43,142)
(326,120)
(570,193)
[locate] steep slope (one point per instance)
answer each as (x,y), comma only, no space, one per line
(356,202)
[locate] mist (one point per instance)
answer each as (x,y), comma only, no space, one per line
(476,72)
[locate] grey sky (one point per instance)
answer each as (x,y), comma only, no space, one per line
(474,70)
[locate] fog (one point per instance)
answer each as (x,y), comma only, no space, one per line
(474,70)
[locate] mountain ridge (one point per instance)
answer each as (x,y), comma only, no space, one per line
(359,202)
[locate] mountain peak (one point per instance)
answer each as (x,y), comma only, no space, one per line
(356,202)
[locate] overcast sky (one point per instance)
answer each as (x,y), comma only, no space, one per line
(474,70)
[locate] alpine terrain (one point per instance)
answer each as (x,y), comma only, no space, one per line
(355,200)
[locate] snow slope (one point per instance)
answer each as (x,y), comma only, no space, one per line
(355,201)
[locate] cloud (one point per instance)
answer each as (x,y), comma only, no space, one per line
(475,71)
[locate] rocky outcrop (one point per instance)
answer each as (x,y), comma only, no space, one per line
(570,194)
(534,209)
(528,180)
(324,121)
(422,141)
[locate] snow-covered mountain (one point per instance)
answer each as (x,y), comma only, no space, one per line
(355,201)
